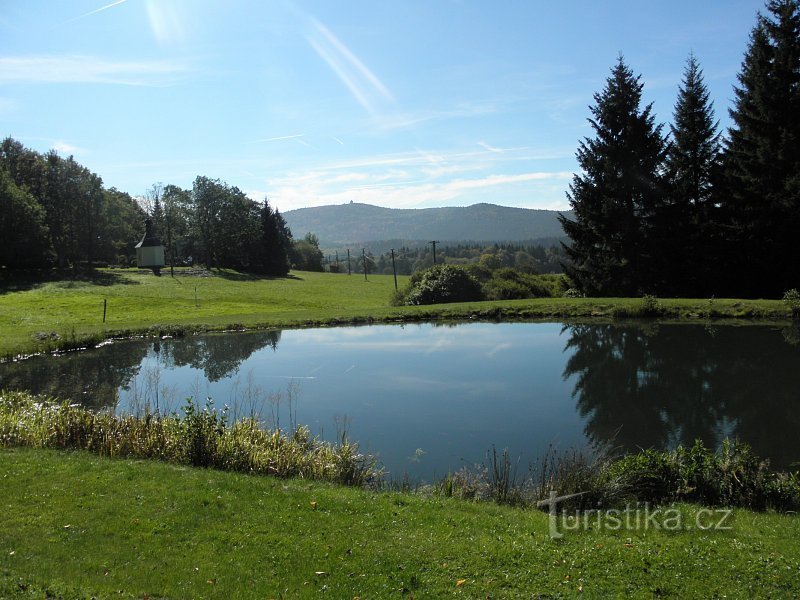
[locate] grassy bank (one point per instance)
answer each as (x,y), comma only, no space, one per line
(80,526)
(64,313)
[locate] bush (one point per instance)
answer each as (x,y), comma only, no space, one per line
(511,284)
(792,300)
(441,284)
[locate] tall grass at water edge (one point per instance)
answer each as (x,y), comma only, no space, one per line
(203,437)
(731,476)
(206,437)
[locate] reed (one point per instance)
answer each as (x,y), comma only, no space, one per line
(202,437)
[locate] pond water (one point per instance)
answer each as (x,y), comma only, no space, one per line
(432,398)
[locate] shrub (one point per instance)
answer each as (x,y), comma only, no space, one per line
(441,284)
(511,284)
(792,300)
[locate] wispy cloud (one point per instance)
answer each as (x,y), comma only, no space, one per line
(87,69)
(541,189)
(279,138)
(167,24)
(95,11)
(489,148)
(365,87)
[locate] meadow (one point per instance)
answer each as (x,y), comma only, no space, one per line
(67,311)
(79,526)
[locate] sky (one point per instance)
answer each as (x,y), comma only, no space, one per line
(403,104)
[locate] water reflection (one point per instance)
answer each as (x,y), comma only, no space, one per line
(430,398)
(218,356)
(642,386)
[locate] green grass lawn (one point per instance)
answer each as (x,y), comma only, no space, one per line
(75,525)
(32,315)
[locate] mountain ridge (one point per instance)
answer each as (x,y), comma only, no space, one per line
(350,223)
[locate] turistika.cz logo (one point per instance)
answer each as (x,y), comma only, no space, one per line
(640,517)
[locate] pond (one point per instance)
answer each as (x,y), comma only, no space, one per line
(431,398)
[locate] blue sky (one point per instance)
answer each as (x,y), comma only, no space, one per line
(405,104)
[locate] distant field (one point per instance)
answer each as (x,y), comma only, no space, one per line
(59,313)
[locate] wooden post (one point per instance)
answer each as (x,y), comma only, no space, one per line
(105,302)
(364,256)
(434,250)
(348,262)
(394,270)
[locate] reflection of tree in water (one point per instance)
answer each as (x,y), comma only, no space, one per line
(91,377)
(218,355)
(643,387)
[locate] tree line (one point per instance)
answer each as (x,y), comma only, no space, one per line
(55,212)
(689,212)
(526,258)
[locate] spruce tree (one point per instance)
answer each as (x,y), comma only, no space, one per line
(618,193)
(273,249)
(763,155)
(690,214)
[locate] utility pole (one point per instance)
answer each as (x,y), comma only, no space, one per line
(364,256)
(434,242)
(348,262)
(394,270)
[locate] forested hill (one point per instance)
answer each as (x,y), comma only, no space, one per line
(356,223)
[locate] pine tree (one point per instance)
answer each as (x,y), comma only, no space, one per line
(273,249)
(693,167)
(763,154)
(618,193)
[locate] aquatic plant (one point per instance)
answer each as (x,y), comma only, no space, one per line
(202,437)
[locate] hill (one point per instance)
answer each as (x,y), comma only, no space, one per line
(356,223)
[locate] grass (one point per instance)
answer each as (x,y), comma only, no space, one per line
(63,313)
(79,526)
(201,437)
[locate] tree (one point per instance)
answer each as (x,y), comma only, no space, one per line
(762,157)
(176,208)
(122,222)
(690,215)
(26,242)
(273,258)
(306,254)
(616,196)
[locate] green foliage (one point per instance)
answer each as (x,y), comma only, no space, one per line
(689,221)
(617,193)
(762,160)
(442,284)
(510,284)
(791,299)
(731,476)
(24,235)
(202,437)
(203,430)
(306,254)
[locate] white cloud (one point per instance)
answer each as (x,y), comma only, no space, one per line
(65,148)
(87,69)
(291,194)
